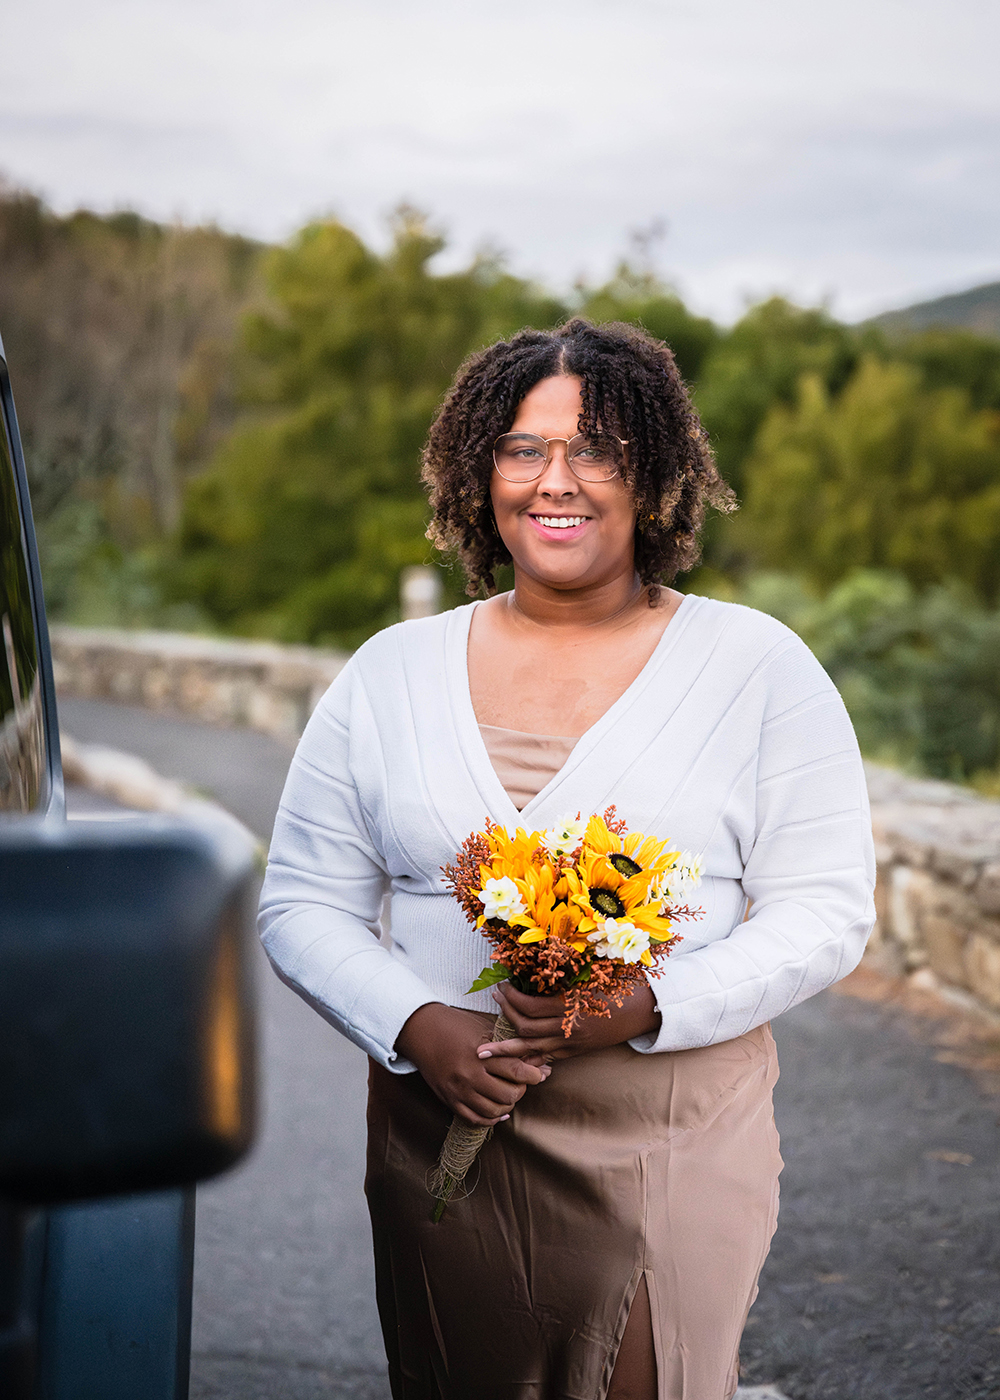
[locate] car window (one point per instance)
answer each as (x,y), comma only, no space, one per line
(22,731)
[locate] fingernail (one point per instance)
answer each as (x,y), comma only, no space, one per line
(546,1071)
(485,1054)
(504,1118)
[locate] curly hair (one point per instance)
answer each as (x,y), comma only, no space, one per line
(631,387)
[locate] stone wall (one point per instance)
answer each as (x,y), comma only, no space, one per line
(938,845)
(938,894)
(257,684)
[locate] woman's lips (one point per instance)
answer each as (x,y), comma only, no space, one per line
(550,527)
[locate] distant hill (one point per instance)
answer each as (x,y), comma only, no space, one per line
(976,310)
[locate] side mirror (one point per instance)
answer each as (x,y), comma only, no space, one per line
(126,1062)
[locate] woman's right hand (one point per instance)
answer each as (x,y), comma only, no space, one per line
(442,1042)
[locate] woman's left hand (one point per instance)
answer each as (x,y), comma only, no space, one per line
(538,1022)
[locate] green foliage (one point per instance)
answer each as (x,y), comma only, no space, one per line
(758,364)
(954,359)
(640,298)
(889,474)
(300,527)
(92,581)
(917,668)
(489,977)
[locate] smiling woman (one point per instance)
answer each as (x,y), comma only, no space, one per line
(626,1200)
(617,388)
(563,522)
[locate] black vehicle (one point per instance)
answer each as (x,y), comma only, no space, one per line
(126,1037)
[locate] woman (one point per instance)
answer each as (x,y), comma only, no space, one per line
(626,1202)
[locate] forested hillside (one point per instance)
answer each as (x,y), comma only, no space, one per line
(226,436)
(976,310)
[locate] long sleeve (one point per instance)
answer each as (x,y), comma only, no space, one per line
(809,870)
(325,883)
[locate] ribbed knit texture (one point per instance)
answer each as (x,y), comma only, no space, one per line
(732,741)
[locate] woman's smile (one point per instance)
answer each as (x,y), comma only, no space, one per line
(562,531)
(561,527)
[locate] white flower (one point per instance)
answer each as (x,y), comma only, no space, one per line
(680,880)
(689,869)
(620,939)
(501,899)
(563,838)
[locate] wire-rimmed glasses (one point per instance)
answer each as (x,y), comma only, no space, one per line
(524,456)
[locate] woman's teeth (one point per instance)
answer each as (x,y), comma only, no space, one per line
(560,522)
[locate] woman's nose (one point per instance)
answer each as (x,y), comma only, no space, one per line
(557,478)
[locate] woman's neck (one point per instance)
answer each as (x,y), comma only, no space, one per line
(606,604)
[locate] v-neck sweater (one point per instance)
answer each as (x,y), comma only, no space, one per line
(732,741)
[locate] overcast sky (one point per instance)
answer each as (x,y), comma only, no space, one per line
(847,150)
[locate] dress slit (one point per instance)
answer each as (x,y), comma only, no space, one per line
(640,1380)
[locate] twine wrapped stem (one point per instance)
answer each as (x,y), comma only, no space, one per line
(462,1145)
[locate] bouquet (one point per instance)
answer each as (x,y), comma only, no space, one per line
(583,910)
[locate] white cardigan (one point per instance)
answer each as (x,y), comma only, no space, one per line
(732,741)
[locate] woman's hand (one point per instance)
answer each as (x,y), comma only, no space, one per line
(538,1022)
(442,1042)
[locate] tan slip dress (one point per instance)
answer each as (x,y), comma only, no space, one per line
(620,1167)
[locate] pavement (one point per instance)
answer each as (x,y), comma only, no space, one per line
(883,1282)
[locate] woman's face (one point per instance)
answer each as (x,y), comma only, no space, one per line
(598,543)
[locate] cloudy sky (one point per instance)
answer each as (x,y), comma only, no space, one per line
(847,151)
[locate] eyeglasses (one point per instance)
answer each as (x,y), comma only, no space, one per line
(524,456)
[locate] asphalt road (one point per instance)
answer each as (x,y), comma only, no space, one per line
(884,1279)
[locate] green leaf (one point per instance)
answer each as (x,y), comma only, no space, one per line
(489,977)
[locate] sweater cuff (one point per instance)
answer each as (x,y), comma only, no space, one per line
(400,993)
(391,1059)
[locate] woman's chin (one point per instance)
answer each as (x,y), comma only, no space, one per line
(561,574)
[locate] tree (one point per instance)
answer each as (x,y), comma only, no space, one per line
(643,300)
(917,668)
(118,332)
(889,474)
(760,362)
(300,526)
(953,359)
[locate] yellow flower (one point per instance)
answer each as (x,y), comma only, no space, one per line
(548,914)
(645,852)
(513,852)
(649,918)
(615,877)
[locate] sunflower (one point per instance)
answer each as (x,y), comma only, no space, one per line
(615,878)
(512,854)
(549,912)
(628,854)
